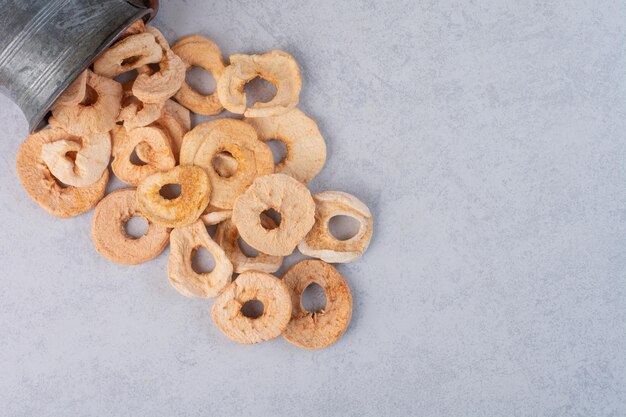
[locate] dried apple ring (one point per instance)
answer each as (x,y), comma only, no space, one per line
(184,242)
(277,67)
(109,235)
(137,27)
(44,189)
(179,113)
(198,51)
(227,237)
(317,330)
(135,113)
(235,139)
(306,149)
(128,54)
(157,153)
(163,84)
(225,164)
(92,156)
(320,243)
(96,114)
(250,286)
(287,196)
(213,215)
(173,122)
(75,93)
(175,130)
(192,39)
(183,210)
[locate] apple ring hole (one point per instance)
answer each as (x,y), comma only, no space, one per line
(136,227)
(135,159)
(131,60)
(313,298)
(202,262)
(224,164)
(154,68)
(272,214)
(200,80)
(343,227)
(91,97)
(170,191)
(71,155)
(279,150)
(259,90)
(252,309)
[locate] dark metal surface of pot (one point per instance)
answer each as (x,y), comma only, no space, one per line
(46,44)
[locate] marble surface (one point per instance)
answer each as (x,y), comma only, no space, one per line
(488,139)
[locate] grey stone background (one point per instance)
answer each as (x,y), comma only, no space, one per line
(488,139)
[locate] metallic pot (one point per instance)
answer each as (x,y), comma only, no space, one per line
(46,44)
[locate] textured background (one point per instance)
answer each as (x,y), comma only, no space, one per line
(486,136)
